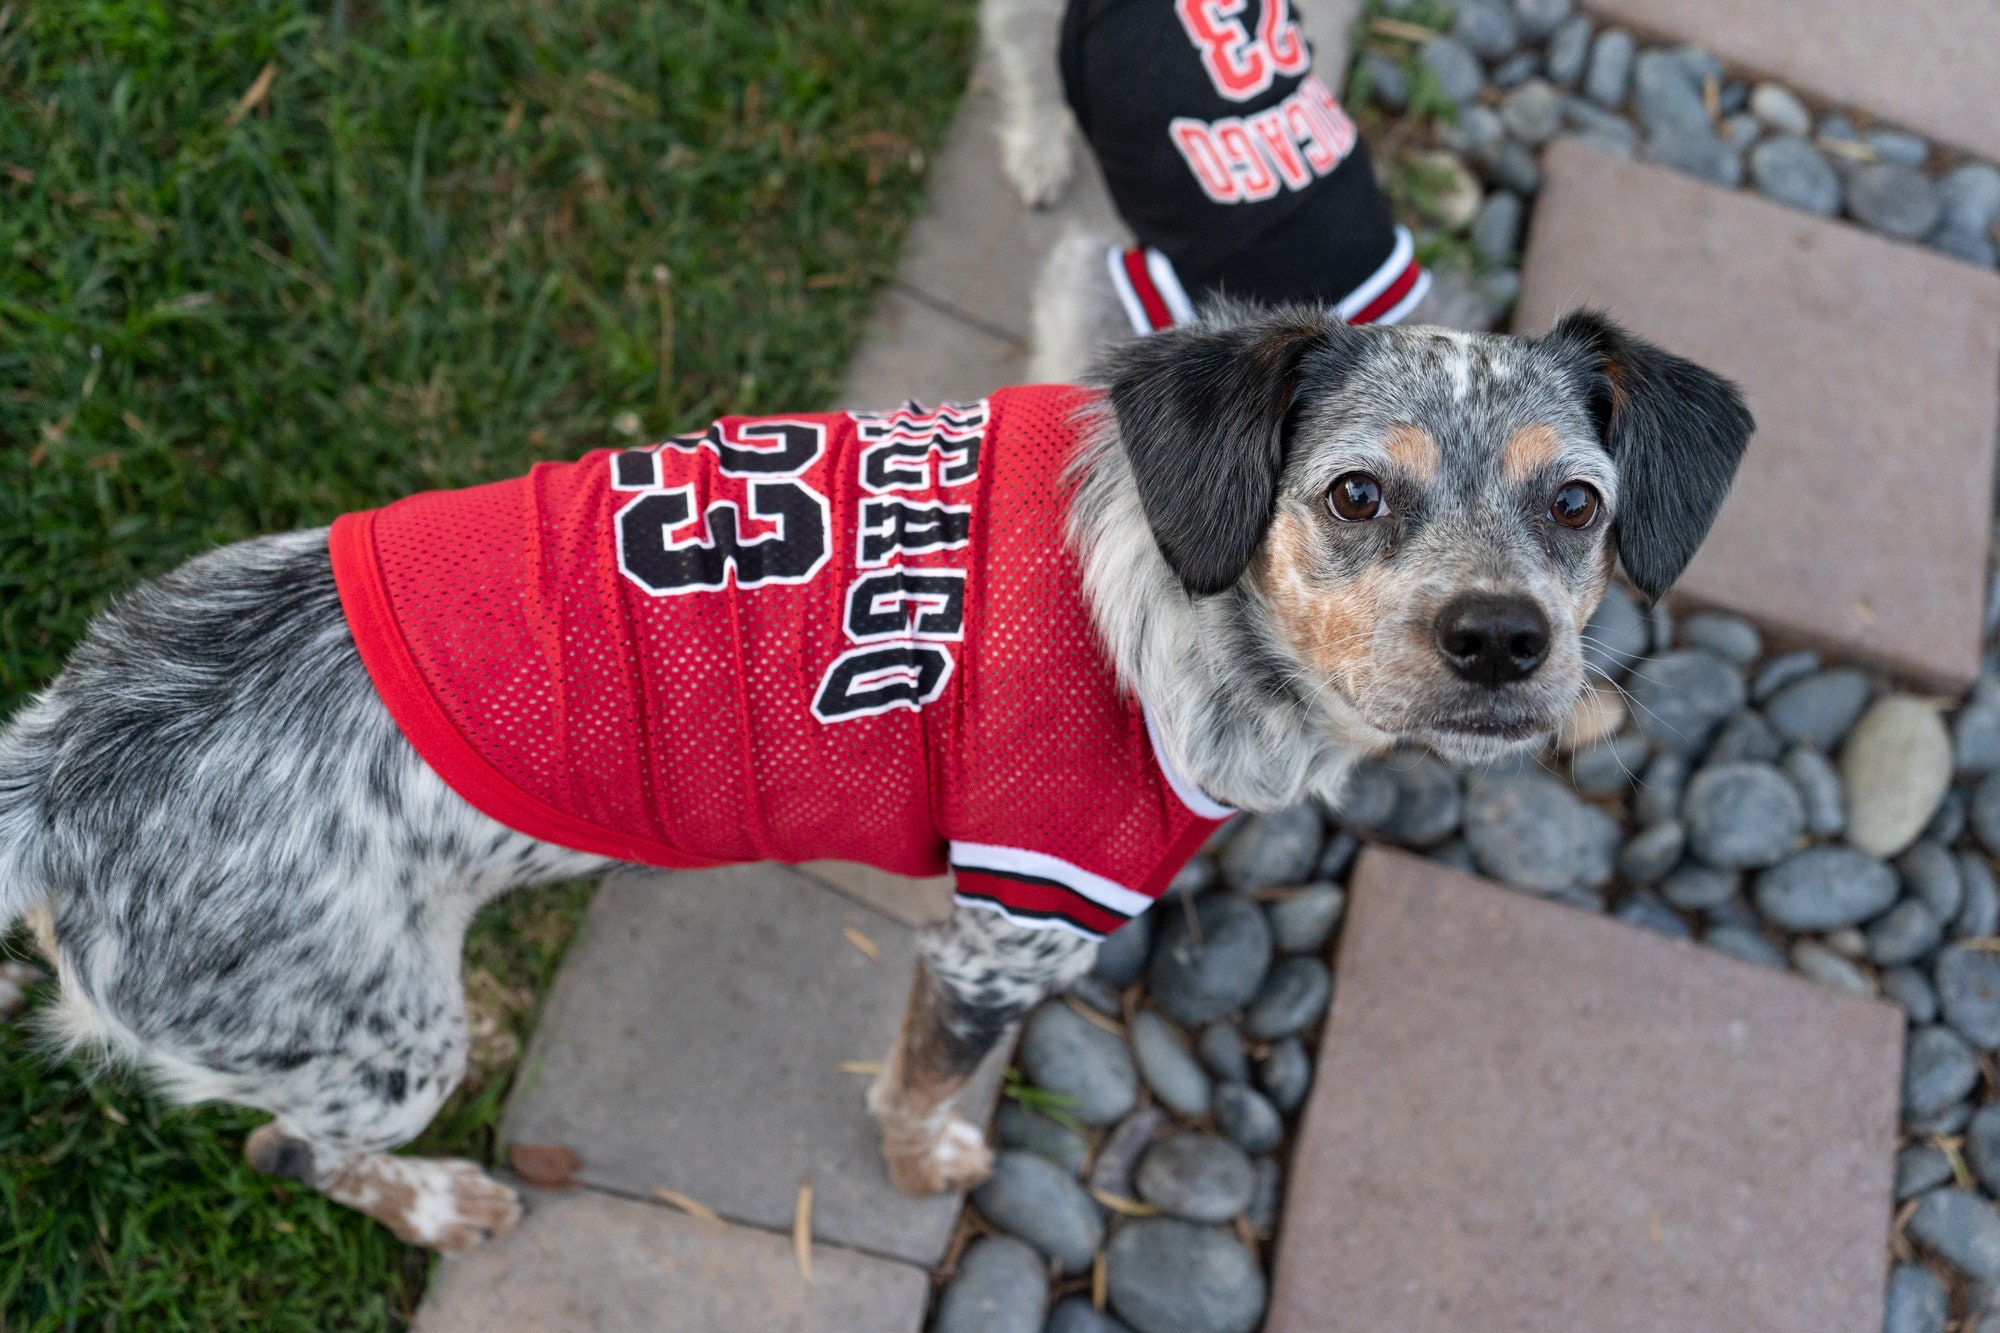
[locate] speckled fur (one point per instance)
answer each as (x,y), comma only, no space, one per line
(252,887)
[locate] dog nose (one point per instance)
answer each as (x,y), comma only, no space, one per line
(1491,639)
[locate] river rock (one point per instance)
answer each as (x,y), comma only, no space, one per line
(1532,113)
(1968,991)
(1017,1127)
(1694,888)
(1607,768)
(1118,1157)
(1164,1275)
(1660,789)
(1976,738)
(1195,983)
(1903,934)
(1917,1302)
(1746,735)
(1647,858)
(1455,68)
(1033,1198)
(1609,72)
(1984,814)
(1173,1074)
(1077,1315)
(1000,1287)
(1824,888)
(1794,173)
(1745,945)
(1680,698)
(1938,1071)
(1525,830)
(1980,914)
(1303,922)
(1368,797)
(1731,638)
(1819,708)
(1912,991)
(1778,107)
(1780,671)
(1196,1176)
(1286,1074)
(1742,816)
(1428,801)
(1293,996)
(1818,782)
(1896,767)
(1121,955)
(1221,1048)
(1961,1228)
(1569,48)
(1275,849)
(1247,1117)
(1816,962)
(1982,1148)
(1930,872)
(1063,1052)
(1896,200)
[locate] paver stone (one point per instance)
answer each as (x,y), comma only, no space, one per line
(1931,67)
(584,1262)
(1859,520)
(694,1040)
(1531,1119)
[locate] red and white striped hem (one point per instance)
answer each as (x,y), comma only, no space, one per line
(1154,299)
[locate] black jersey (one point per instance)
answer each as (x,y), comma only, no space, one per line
(1222,151)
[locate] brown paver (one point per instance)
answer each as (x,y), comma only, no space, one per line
(1933,66)
(1859,521)
(1528,1118)
(694,1040)
(583,1262)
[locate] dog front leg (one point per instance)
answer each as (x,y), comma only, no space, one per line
(977,976)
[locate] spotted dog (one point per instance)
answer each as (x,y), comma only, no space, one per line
(1267,544)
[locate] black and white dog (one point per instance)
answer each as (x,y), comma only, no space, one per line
(1299,542)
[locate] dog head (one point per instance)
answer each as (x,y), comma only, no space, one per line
(1423,520)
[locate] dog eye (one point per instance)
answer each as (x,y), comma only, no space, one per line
(1575,505)
(1356,496)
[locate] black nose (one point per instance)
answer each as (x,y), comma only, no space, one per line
(1492,639)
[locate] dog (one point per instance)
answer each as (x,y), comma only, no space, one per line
(1274,541)
(1231,164)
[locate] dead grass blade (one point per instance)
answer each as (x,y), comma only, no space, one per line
(687,1205)
(863,943)
(1118,1203)
(253,96)
(860,1066)
(1111,1025)
(802,1229)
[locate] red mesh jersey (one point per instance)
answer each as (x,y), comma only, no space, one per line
(853,635)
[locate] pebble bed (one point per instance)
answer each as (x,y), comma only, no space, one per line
(1523,74)
(1788,812)
(1784,811)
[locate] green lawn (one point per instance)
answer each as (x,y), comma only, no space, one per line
(262,262)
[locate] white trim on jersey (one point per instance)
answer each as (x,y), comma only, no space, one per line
(1398,312)
(1378,282)
(1191,796)
(1114,259)
(1168,283)
(1025,922)
(1019,861)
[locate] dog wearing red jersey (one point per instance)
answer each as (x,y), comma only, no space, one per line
(1046,640)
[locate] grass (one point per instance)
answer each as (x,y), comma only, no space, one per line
(262,262)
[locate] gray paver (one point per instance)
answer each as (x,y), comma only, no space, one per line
(584,1262)
(1860,518)
(694,1040)
(1931,66)
(914,902)
(1530,1118)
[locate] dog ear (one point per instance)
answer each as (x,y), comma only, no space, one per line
(1203,415)
(1676,432)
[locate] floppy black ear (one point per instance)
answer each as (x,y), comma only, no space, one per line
(1675,431)
(1202,413)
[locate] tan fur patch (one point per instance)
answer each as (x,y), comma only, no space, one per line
(1531,449)
(444,1203)
(1329,627)
(929,1149)
(1413,450)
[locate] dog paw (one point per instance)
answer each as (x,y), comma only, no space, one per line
(1039,158)
(954,1158)
(442,1203)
